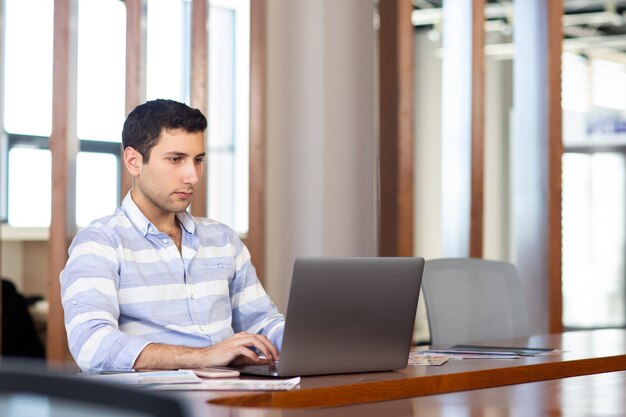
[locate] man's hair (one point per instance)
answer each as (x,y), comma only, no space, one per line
(146,122)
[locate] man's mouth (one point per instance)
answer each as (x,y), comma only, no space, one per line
(184,194)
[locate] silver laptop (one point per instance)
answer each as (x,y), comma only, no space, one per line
(347,315)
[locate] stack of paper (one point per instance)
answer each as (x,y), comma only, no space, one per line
(186,379)
(236,385)
(487,352)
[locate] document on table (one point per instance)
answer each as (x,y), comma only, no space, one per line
(186,379)
(224,384)
(487,352)
(149,378)
(416,358)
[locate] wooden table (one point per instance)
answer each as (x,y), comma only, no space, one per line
(584,396)
(584,353)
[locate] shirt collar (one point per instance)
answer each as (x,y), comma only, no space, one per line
(186,220)
(144,226)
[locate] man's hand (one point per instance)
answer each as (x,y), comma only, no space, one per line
(233,350)
(236,350)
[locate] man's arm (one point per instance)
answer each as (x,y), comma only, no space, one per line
(252,309)
(235,349)
(89,285)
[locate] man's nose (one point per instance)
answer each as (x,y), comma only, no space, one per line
(192,173)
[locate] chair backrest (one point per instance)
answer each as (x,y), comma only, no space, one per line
(469,300)
(28,388)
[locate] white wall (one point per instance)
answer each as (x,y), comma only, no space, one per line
(321,142)
(428,230)
(498,102)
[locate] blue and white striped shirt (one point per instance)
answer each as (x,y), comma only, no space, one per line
(126,285)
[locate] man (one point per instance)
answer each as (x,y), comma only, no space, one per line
(152,287)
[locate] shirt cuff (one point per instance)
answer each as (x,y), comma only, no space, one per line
(132,346)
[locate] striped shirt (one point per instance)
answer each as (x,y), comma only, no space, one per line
(126,285)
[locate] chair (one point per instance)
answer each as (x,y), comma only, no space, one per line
(469,300)
(28,388)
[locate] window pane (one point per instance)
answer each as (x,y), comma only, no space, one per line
(28,67)
(221,183)
(608,78)
(167,50)
(228,134)
(593,239)
(575,83)
(29,187)
(96,186)
(101,69)
(222,78)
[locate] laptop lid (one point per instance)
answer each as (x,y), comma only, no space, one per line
(350,315)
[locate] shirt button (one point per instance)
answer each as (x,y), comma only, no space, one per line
(74,302)
(192,296)
(164,241)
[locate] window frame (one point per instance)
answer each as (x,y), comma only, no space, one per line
(14,140)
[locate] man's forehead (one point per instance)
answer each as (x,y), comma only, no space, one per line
(181,142)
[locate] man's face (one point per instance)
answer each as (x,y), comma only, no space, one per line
(166,183)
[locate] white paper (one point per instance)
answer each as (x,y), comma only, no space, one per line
(224,384)
(415,358)
(148,378)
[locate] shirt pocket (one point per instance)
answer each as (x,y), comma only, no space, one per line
(213,270)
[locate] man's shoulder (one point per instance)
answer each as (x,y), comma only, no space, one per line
(213,232)
(207,225)
(112,226)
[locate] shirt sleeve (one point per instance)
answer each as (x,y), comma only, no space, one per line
(89,285)
(252,309)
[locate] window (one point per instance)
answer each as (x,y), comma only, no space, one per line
(594,193)
(228,131)
(27,103)
(28,109)
(168,50)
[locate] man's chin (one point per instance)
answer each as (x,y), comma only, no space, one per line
(181,206)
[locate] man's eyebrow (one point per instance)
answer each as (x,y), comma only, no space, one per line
(178,153)
(175,153)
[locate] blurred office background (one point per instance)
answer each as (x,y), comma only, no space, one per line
(456,128)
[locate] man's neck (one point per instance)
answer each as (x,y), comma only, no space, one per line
(165,222)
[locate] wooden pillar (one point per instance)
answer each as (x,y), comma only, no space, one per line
(478,130)
(555,153)
(396,109)
(199,87)
(63,148)
(136,40)
(256,233)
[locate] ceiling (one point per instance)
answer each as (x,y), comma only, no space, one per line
(590,27)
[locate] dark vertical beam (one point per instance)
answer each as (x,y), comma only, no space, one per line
(256,234)
(136,40)
(63,148)
(478,130)
(555,153)
(3,145)
(396,111)
(199,87)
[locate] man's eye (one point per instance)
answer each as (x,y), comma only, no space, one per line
(175,159)
(199,160)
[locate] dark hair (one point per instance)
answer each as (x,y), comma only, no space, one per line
(146,122)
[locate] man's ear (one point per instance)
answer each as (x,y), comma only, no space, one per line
(133,161)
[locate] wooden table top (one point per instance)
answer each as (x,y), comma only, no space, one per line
(601,395)
(583,353)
